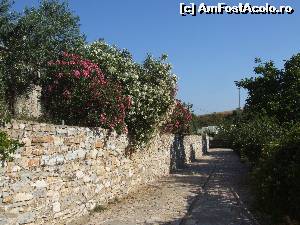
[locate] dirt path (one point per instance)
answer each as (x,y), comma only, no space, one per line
(210,191)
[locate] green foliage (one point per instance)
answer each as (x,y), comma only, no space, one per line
(290,94)
(34,37)
(268,135)
(275,92)
(7,19)
(277,176)
(208,120)
(99,208)
(213,119)
(76,91)
(7,147)
(179,122)
(263,91)
(194,124)
(150,85)
(4,113)
(249,137)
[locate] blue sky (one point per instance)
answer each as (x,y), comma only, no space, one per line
(208,52)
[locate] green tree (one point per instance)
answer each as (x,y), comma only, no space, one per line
(290,93)
(7,147)
(6,19)
(264,89)
(30,40)
(275,93)
(4,114)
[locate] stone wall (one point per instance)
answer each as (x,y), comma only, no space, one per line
(205,143)
(185,150)
(193,148)
(63,172)
(28,105)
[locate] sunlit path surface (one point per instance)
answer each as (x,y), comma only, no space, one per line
(210,191)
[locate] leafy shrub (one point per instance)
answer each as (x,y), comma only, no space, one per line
(4,113)
(249,137)
(179,122)
(77,91)
(275,92)
(151,86)
(7,147)
(34,37)
(277,176)
(272,145)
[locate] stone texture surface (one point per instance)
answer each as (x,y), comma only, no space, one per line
(224,198)
(63,172)
(210,191)
(192,147)
(28,105)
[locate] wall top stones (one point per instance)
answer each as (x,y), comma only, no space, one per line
(63,172)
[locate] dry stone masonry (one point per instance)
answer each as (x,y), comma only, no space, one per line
(192,147)
(63,172)
(28,105)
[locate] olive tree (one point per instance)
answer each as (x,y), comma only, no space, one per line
(29,40)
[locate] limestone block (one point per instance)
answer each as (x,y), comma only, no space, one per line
(26,218)
(59,164)
(79,174)
(81,153)
(99,144)
(35,162)
(20,197)
(42,139)
(56,207)
(40,184)
(71,156)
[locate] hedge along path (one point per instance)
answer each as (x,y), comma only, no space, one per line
(210,191)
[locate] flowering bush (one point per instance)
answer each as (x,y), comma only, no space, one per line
(180,120)
(77,91)
(151,86)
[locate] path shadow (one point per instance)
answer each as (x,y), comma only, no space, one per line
(217,210)
(192,153)
(177,154)
(203,207)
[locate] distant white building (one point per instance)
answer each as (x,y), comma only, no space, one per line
(209,129)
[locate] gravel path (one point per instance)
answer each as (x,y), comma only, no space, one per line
(210,191)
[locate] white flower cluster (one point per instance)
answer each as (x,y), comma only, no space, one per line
(150,85)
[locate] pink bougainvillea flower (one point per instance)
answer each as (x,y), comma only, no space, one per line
(76,73)
(86,73)
(103,118)
(102,103)
(125,130)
